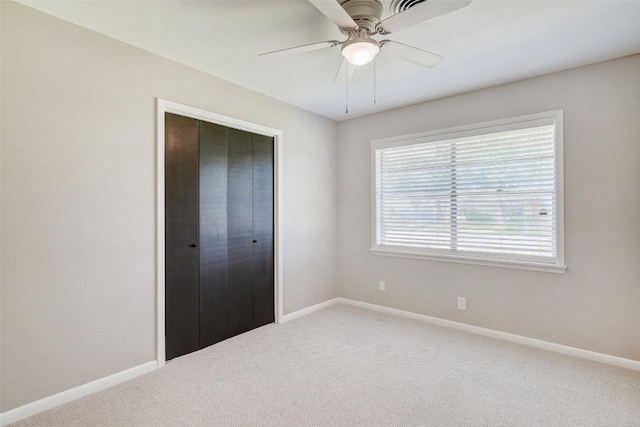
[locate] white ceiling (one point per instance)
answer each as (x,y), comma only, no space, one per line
(485,44)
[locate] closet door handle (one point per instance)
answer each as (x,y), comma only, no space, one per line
(255,241)
(194,245)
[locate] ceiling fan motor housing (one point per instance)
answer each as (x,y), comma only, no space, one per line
(366,13)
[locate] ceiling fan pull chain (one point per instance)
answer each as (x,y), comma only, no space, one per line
(374,81)
(346,88)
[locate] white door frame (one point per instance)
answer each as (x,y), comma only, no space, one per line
(165,106)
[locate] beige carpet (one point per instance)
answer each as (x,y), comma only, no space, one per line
(345,366)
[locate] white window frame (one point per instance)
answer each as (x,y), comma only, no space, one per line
(555,117)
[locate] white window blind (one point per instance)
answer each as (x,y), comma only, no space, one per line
(490,195)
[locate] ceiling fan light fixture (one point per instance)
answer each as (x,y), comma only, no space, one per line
(360,50)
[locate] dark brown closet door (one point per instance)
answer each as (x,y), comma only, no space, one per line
(219,233)
(213,233)
(181,234)
(262,255)
(239,223)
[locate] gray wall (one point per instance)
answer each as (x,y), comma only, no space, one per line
(594,305)
(78,199)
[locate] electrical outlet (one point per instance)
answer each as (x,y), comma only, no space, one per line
(383,287)
(462,303)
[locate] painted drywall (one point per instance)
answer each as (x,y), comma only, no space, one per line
(78,198)
(593,306)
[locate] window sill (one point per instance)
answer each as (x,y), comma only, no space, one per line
(519,265)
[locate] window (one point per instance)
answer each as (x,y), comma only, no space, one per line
(486,194)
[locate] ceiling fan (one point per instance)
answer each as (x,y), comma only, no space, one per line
(359,20)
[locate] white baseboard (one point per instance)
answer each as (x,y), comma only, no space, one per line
(308,310)
(41,405)
(531,342)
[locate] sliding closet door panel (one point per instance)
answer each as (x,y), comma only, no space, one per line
(239,223)
(213,233)
(263,286)
(181,233)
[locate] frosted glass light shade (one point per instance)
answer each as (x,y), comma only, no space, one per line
(360,52)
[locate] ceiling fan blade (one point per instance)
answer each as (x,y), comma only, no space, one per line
(411,54)
(419,13)
(332,10)
(303,48)
(343,75)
